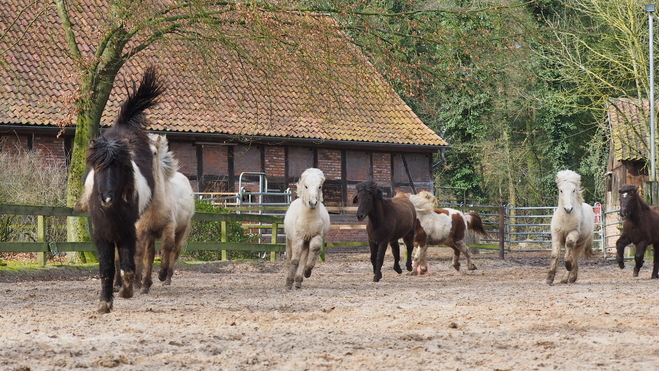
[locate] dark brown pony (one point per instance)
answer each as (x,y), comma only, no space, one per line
(640,226)
(388,220)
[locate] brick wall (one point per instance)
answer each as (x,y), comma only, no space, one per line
(216,161)
(275,162)
(329,161)
(50,147)
(13,143)
(186,154)
(358,165)
(381,167)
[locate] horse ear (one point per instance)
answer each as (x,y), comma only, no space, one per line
(92,142)
(355,199)
(380,194)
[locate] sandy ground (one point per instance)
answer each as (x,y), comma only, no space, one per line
(237,316)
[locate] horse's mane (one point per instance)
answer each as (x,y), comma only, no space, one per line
(103,152)
(371,187)
(632,189)
(168,163)
(424,202)
(569,176)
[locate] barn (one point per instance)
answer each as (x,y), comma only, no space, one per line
(628,153)
(249,109)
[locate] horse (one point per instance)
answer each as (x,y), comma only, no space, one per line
(167,218)
(388,220)
(306,222)
(639,227)
(443,226)
(118,187)
(572,226)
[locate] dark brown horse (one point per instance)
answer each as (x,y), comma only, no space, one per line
(388,220)
(640,226)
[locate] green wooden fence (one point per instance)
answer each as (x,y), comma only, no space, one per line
(43,245)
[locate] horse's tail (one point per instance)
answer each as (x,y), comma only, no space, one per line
(131,115)
(475,223)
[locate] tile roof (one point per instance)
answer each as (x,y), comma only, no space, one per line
(629,124)
(332,94)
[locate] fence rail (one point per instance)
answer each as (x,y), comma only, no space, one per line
(43,245)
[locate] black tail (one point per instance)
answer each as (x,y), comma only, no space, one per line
(146,96)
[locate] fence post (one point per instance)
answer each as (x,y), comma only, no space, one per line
(502,226)
(275,228)
(223,238)
(41,237)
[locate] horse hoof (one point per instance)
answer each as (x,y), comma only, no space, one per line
(167,282)
(307,273)
(162,276)
(126,292)
(144,290)
(550,282)
(398,270)
(472,267)
(409,267)
(621,265)
(377,277)
(105,307)
(457,267)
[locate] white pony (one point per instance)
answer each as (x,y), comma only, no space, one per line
(572,226)
(443,226)
(167,218)
(305,224)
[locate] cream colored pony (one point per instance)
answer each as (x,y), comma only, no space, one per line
(305,224)
(572,226)
(168,217)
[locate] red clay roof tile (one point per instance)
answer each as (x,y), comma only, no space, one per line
(334,95)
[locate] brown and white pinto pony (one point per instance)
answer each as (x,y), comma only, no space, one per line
(640,226)
(443,226)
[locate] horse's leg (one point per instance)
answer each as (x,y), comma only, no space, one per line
(570,244)
(374,254)
(555,253)
(168,254)
(149,255)
(315,246)
(294,253)
(304,255)
(126,249)
(639,257)
(106,270)
(416,261)
(395,251)
(381,249)
(117,268)
(574,273)
(140,255)
(289,265)
(409,243)
(456,258)
(462,246)
(622,242)
(655,267)
(179,240)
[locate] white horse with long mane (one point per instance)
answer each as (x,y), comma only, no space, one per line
(572,226)
(305,224)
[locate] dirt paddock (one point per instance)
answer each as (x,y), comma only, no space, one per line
(237,316)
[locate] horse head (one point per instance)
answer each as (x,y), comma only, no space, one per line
(163,159)
(310,187)
(629,197)
(113,170)
(368,193)
(569,190)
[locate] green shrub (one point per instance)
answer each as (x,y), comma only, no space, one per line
(205,231)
